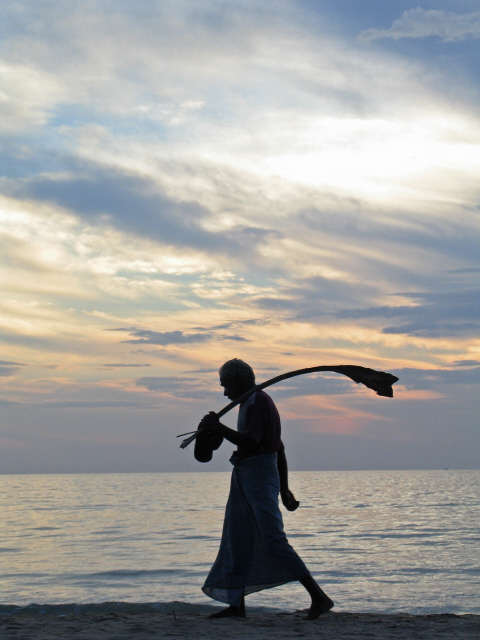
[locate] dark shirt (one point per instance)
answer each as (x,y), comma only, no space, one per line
(259,420)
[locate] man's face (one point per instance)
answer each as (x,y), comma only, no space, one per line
(232,389)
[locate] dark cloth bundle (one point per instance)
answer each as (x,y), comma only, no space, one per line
(205,444)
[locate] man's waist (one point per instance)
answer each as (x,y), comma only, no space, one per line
(243,454)
(237,458)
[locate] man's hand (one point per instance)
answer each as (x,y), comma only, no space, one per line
(289,501)
(210,421)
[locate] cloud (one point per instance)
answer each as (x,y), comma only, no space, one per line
(189,388)
(432,314)
(455,311)
(316,297)
(108,196)
(126,201)
(144,336)
(171,55)
(421,23)
(121,365)
(168,164)
(9,403)
(27,97)
(165,338)
(6,372)
(312,385)
(9,368)
(467,270)
(436,378)
(90,404)
(392,229)
(238,323)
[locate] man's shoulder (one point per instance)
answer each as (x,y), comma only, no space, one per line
(263,398)
(261,394)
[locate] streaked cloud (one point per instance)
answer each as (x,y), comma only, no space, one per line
(85,404)
(129,203)
(421,23)
(145,336)
(8,368)
(437,378)
(429,314)
(185,183)
(180,387)
(120,365)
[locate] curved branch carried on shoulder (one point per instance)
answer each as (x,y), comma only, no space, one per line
(379,381)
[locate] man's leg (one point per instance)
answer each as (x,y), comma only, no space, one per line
(231,611)
(321,603)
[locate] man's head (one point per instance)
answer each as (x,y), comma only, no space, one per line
(236,377)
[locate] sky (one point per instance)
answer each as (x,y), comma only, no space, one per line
(187,181)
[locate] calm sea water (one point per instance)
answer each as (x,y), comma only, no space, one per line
(375,540)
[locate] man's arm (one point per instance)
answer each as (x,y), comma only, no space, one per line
(288,499)
(212,423)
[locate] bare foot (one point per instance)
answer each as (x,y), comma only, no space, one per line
(321,603)
(319,606)
(230,612)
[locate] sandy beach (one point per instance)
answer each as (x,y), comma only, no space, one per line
(264,625)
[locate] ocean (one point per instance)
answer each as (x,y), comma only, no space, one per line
(379,541)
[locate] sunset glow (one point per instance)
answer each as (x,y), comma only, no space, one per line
(184,185)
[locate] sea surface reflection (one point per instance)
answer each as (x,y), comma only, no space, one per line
(375,540)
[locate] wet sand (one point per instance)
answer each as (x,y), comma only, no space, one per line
(258,626)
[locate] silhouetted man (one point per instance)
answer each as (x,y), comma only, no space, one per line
(254,552)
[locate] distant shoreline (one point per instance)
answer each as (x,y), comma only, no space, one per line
(206,469)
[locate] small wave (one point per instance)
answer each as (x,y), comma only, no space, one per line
(392,535)
(108,607)
(133,573)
